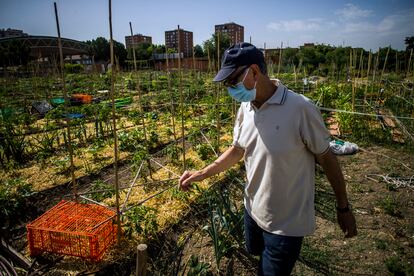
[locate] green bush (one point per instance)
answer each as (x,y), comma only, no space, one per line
(73,68)
(13,193)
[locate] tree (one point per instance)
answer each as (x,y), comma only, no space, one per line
(120,52)
(14,52)
(409,42)
(143,51)
(290,56)
(210,45)
(198,51)
(311,57)
(99,48)
(158,49)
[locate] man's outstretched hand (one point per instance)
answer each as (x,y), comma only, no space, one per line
(189,177)
(347,223)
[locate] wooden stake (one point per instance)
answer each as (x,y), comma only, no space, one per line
(359,75)
(366,83)
(133,47)
(376,65)
(65,95)
(280,59)
(385,63)
(193,63)
(294,71)
(172,96)
(209,60)
(218,99)
(144,128)
(218,51)
(396,61)
(181,97)
(409,63)
(116,157)
(141,266)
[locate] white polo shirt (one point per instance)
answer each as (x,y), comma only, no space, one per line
(280,140)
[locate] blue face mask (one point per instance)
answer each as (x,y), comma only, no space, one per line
(240,93)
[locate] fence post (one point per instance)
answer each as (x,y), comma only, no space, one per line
(141,269)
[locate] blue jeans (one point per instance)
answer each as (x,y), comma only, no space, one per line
(278,254)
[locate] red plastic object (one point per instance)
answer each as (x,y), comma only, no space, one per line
(71,228)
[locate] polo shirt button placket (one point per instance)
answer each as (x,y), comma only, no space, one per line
(261,117)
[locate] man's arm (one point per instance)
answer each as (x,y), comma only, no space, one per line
(331,167)
(225,161)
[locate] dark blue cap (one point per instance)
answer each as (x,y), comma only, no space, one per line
(240,54)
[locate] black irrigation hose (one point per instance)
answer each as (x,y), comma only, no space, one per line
(6,267)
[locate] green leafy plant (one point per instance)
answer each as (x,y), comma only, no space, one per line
(101,190)
(204,151)
(62,164)
(214,229)
(197,267)
(397,267)
(13,193)
(173,152)
(176,193)
(391,206)
(140,154)
(141,220)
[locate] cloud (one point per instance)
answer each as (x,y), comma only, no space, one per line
(296,25)
(351,26)
(351,12)
(402,22)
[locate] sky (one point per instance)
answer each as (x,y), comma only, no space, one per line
(367,23)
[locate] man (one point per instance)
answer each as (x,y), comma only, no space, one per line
(280,134)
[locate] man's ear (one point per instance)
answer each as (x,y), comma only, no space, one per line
(256,71)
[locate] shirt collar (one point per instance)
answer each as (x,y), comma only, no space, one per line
(280,94)
(278,97)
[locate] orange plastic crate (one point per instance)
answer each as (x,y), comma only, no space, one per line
(71,228)
(83,98)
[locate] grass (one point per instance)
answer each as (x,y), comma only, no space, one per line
(391,206)
(398,267)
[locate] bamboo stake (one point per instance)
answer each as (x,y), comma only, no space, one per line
(355,60)
(385,63)
(193,63)
(133,47)
(409,64)
(132,184)
(280,59)
(369,67)
(353,95)
(218,51)
(181,96)
(374,73)
(294,71)
(355,76)
(144,128)
(118,216)
(218,98)
(376,65)
(65,95)
(172,96)
(209,61)
(396,62)
(361,60)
